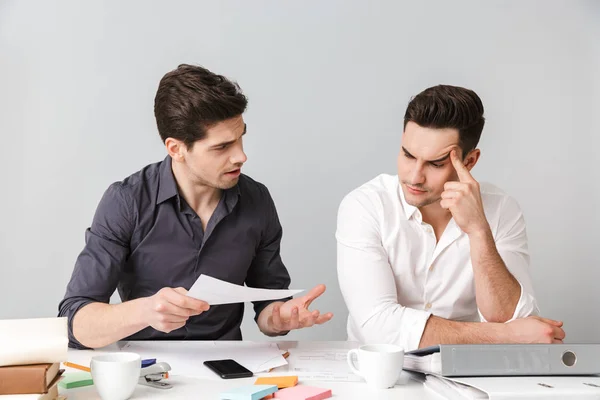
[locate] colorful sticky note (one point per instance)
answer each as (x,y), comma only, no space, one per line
(281,381)
(251,392)
(72,380)
(301,392)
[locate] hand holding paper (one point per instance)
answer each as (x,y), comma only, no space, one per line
(170,308)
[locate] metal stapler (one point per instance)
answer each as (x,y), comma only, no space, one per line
(153,374)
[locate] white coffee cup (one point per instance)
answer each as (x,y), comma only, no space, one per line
(380,365)
(116,375)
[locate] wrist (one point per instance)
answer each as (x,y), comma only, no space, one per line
(142,311)
(482,232)
(501,332)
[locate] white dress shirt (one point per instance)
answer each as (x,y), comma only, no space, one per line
(393,275)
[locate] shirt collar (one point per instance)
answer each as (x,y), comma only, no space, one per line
(232,195)
(409,210)
(167,188)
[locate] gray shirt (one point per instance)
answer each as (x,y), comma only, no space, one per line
(144,236)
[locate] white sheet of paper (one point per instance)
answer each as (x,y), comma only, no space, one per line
(321,365)
(187,357)
(453,390)
(215,291)
(530,387)
(84,357)
(33,341)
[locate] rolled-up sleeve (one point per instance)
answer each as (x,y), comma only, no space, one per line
(367,281)
(267,270)
(98,266)
(511,243)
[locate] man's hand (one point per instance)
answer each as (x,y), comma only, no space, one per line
(169,309)
(535,330)
(294,314)
(463,200)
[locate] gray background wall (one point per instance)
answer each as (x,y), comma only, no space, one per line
(328,82)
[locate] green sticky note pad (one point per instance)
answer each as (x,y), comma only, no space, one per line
(76,379)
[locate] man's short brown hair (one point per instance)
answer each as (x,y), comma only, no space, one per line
(190,99)
(446,106)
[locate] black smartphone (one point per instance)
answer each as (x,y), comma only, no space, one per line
(228,369)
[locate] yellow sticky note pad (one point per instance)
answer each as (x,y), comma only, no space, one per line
(280,381)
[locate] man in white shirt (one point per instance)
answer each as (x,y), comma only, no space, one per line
(431,256)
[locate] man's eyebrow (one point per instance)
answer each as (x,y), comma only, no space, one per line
(430,161)
(229,142)
(441,159)
(407,152)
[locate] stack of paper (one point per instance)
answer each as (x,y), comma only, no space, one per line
(33,341)
(30,353)
(431,363)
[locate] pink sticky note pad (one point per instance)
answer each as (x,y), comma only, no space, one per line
(303,393)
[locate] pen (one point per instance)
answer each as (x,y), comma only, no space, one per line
(76,366)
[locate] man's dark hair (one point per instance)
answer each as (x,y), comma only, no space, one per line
(445,106)
(191,99)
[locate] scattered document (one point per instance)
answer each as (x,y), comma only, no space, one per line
(321,365)
(516,387)
(452,390)
(84,357)
(187,358)
(215,291)
(33,341)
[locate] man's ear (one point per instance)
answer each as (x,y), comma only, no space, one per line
(175,148)
(472,158)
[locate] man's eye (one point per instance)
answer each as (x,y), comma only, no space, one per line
(408,156)
(222,147)
(434,165)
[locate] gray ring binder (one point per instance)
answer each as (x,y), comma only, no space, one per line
(506,360)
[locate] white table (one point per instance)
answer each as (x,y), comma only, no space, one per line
(199,388)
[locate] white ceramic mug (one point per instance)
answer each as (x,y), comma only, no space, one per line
(116,375)
(380,365)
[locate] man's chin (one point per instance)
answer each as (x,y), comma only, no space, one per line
(419,202)
(229,183)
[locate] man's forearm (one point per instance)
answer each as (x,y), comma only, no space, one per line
(496,289)
(443,331)
(98,324)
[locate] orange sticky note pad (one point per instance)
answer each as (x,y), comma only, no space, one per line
(303,393)
(280,381)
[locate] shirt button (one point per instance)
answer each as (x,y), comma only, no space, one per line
(431,267)
(427,306)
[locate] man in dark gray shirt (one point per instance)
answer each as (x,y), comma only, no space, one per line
(155,232)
